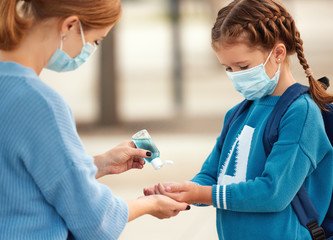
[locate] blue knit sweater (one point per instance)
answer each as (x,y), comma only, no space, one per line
(253,193)
(48,184)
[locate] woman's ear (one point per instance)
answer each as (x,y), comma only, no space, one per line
(280,53)
(68,23)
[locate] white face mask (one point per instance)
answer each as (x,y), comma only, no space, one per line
(254,83)
(62,62)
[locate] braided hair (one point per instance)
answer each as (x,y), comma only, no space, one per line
(263,23)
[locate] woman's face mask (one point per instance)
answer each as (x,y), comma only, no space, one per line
(62,62)
(254,83)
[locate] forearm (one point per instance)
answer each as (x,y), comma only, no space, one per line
(203,195)
(138,208)
(188,192)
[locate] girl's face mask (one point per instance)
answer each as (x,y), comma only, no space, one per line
(254,83)
(62,62)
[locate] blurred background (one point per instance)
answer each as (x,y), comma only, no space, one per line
(156,70)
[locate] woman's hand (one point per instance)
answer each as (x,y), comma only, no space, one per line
(188,192)
(158,206)
(121,158)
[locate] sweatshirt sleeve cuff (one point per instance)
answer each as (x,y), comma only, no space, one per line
(220,196)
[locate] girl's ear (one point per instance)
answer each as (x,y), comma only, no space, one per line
(280,53)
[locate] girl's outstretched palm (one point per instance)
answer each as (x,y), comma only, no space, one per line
(182,192)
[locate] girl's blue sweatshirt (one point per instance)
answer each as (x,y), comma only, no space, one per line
(251,192)
(48,184)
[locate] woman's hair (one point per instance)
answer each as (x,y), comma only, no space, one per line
(263,23)
(17,16)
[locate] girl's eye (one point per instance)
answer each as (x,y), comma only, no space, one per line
(244,68)
(228,69)
(97,43)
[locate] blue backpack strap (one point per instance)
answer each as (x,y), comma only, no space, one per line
(271,132)
(302,204)
(328,119)
(307,214)
(245,104)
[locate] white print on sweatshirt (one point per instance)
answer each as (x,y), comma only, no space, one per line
(242,146)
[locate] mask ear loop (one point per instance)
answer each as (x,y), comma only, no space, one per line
(82,34)
(62,37)
(270,54)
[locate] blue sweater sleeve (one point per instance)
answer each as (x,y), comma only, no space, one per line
(53,154)
(292,159)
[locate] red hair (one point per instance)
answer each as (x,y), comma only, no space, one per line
(14,24)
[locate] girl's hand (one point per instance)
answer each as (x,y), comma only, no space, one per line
(188,192)
(182,192)
(153,190)
(121,158)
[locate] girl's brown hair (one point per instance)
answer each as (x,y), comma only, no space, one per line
(14,23)
(263,23)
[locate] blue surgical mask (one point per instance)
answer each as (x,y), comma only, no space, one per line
(254,83)
(62,62)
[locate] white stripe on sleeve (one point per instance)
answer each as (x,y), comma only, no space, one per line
(218,196)
(224,197)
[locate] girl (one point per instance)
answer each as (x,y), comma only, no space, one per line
(48,187)
(252,193)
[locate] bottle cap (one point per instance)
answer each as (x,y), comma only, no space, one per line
(157,163)
(141,134)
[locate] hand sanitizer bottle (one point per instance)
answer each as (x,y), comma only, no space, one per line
(143,140)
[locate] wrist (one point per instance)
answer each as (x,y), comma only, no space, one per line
(141,206)
(151,204)
(203,194)
(100,164)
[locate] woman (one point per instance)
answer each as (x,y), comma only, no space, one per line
(48,185)
(252,192)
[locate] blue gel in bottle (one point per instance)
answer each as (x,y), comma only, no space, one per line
(143,140)
(147,144)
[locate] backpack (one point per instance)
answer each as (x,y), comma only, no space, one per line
(302,204)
